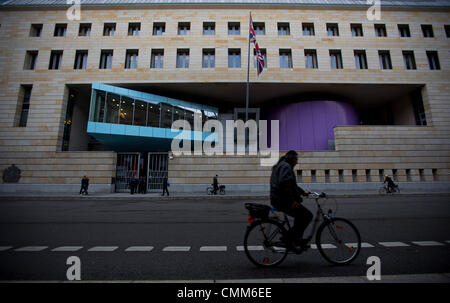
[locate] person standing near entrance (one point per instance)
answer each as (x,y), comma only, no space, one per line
(166,184)
(142,185)
(84,185)
(134,182)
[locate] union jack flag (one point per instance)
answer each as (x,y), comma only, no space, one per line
(259,57)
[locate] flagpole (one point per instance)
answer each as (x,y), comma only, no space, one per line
(248,70)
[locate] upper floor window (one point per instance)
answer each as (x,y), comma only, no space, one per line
(80,59)
(263,53)
(260,28)
(234,28)
(357,30)
(85,29)
(109,29)
(208,58)
(30,60)
(106,58)
(157,60)
(36,30)
(333,29)
(380,30)
(283,29)
(60,30)
(403,30)
(447,30)
(433,60)
(209,28)
(234,58)
(134,29)
(183,58)
(360,59)
(311,58)
(427,30)
(408,58)
(336,59)
(55,59)
(24,97)
(385,59)
(131,58)
(308,29)
(285,58)
(159,28)
(184,28)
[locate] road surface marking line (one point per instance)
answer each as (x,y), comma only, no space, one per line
(241,248)
(31,248)
(213,248)
(393,244)
(3,248)
(67,248)
(363,245)
(427,243)
(103,248)
(140,248)
(177,248)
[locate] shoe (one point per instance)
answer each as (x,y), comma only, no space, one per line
(299,246)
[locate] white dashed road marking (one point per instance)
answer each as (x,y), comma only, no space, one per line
(428,243)
(68,248)
(31,248)
(363,245)
(213,248)
(3,248)
(103,248)
(177,248)
(393,244)
(140,248)
(241,248)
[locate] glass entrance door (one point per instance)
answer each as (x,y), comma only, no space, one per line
(157,171)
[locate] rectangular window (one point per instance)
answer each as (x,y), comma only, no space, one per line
(183,58)
(427,30)
(368,176)
(106,58)
(313,176)
(308,29)
(327,176)
(80,59)
(153,115)
(25,95)
(336,59)
(403,30)
(447,30)
(209,28)
(55,59)
(380,30)
(109,29)
(285,58)
(310,58)
(333,29)
(421,175)
(283,29)
(234,28)
(408,58)
(408,175)
(433,60)
(159,28)
(357,30)
(157,60)
(381,175)
(234,58)
(360,59)
(184,28)
(85,30)
(60,30)
(209,58)
(385,59)
(341,175)
(131,58)
(30,60)
(36,30)
(354,175)
(134,29)
(263,53)
(418,108)
(260,28)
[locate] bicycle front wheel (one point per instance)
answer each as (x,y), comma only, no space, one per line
(338,241)
(382,190)
(263,245)
(209,190)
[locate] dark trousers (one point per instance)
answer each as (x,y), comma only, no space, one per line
(165,190)
(83,189)
(302,217)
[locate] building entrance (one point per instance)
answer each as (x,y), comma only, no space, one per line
(157,170)
(128,167)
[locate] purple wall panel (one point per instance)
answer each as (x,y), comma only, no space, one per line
(309,125)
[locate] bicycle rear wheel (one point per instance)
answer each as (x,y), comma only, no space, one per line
(263,245)
(209,190)
(382,190)
(338,241)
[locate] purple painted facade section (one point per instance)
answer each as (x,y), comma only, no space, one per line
(309,125)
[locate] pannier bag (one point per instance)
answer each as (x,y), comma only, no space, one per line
(258,210)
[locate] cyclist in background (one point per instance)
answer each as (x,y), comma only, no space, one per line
(391,185)
(285,195)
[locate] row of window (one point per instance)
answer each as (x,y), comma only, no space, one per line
(234,59)
(234,28)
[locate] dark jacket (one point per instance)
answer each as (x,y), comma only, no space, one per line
(85,182)
(283,186)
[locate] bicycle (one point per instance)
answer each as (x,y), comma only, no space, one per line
(337,239)
(210,190)
(385,190)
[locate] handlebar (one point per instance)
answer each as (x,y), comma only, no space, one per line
(316,195)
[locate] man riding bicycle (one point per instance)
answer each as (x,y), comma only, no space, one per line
(285,195)
(390,184)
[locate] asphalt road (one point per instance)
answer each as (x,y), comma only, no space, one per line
(199,239)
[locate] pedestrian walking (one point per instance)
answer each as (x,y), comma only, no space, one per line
(134,182)
(166,184)
(142,185)
(84,185)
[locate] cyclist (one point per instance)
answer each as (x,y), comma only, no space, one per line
(215,184)
(285,195)
(391,185)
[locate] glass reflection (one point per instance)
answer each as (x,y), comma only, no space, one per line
(140,113)
(98,106)
(153,114)
(112,108)
(166,115)
(126,110)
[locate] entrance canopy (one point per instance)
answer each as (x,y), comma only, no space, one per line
(129,120)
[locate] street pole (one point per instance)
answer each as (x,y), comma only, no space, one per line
(248,71)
